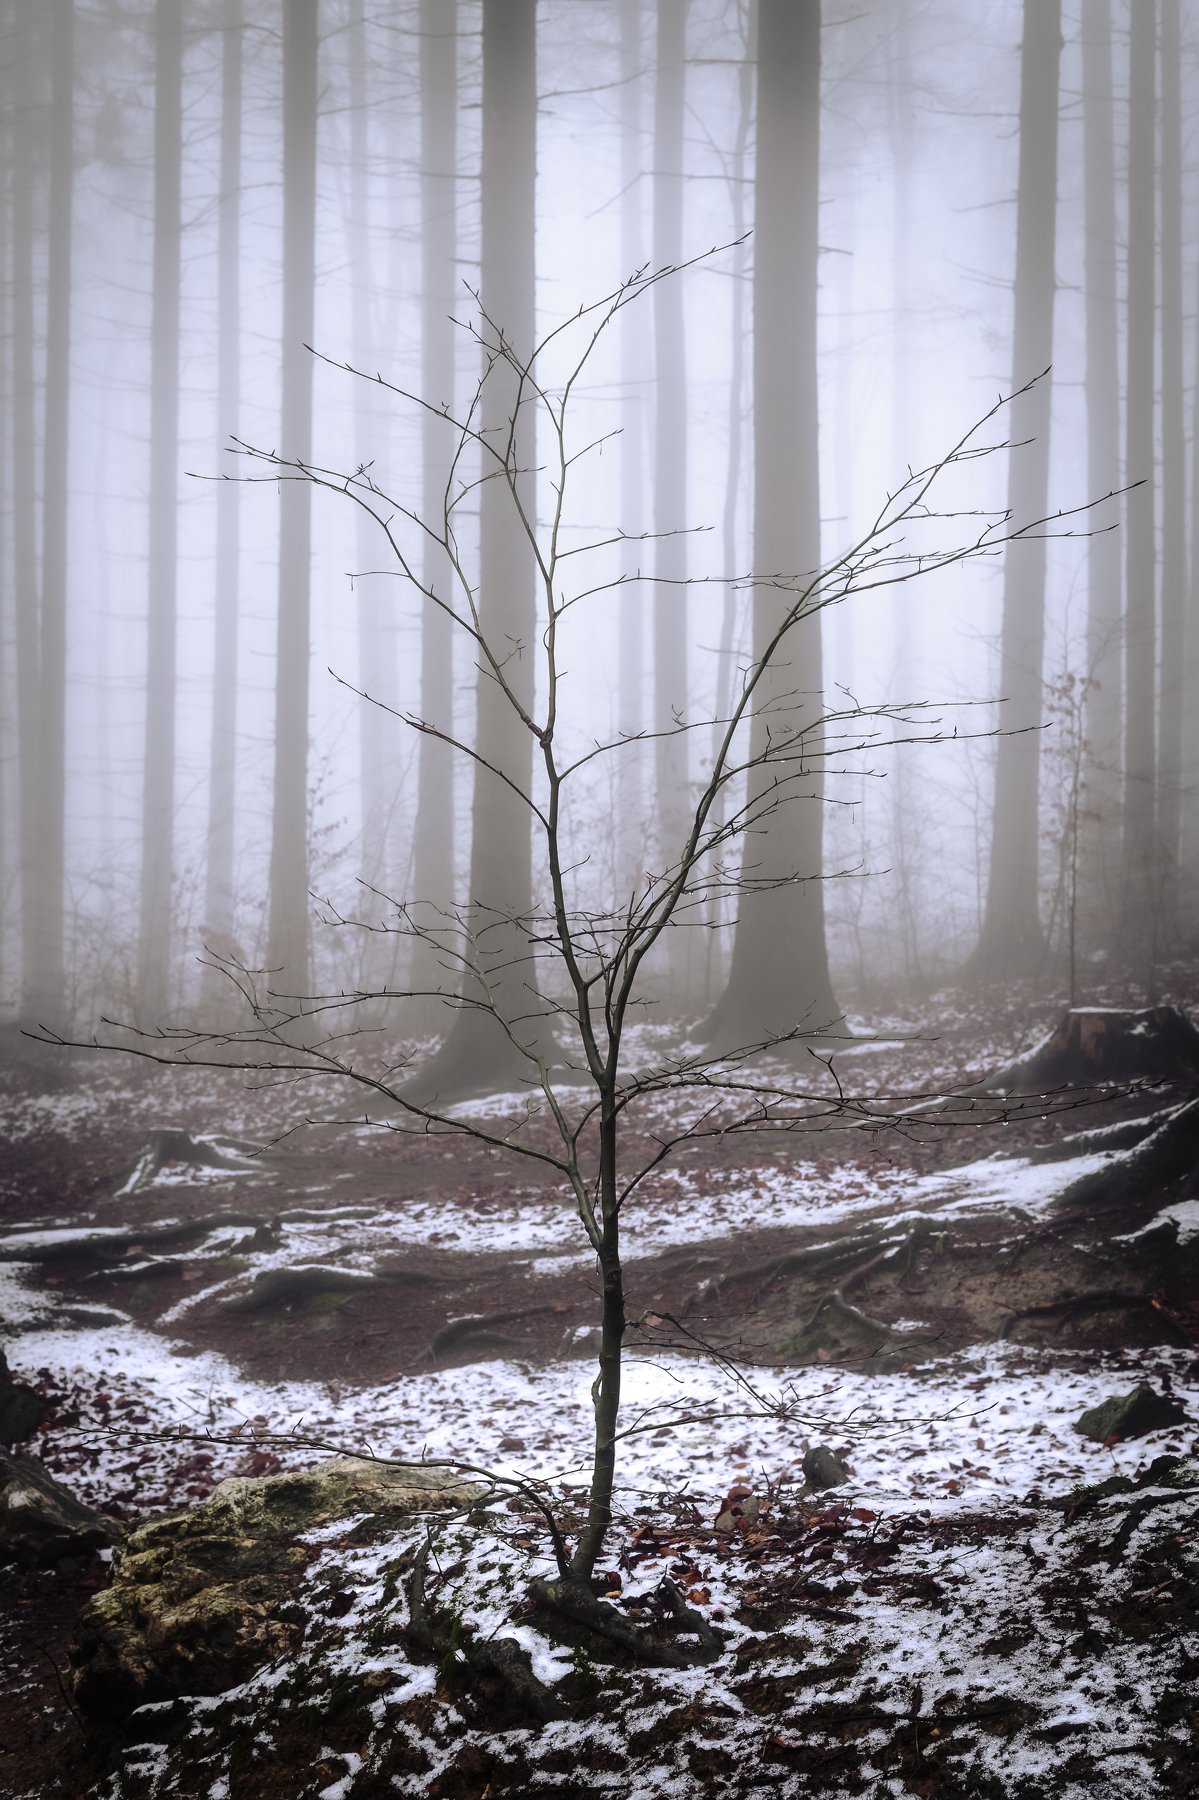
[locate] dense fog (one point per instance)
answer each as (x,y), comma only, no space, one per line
(223,219)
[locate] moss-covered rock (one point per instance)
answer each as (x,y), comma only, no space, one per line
(1130,1415)
(203,1597)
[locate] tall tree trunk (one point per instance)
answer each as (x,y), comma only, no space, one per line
(49,1000)
(222,766)
(731,598)
(375,644)
(433,858)
(1174,531)
(479,1049)
(629,853)
(158,792)
(287,929)
(1190,785)
(24,506)
(1012,941)
(670,460)
(906,859)
(1139,885)
(1104,548)
(779,981)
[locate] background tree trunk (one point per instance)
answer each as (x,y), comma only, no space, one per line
(629,850)
(1104,549)
(376,645)
(779,980)
(1139,886)
(158,792)
(1174,461)
(478,1050)
(1012,941)
(27,605)
(287,930)
(433,851)
(670,458)
(222,764)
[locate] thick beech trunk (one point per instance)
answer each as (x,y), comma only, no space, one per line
(779,980)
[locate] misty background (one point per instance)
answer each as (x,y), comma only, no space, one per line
(193,192)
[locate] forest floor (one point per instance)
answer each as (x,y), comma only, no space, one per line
(945,1624)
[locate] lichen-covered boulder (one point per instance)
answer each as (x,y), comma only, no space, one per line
(203,1597)
(1130,1415)
(40,1521)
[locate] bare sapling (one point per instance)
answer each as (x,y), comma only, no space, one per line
(554,993)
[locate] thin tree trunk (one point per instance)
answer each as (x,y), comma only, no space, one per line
(606,1394)
(287,931)
(1012,940)
(1104,549)
(480,1049)
(158,792)
(24,443)
(1139,885)
(779,981)
(433,859)
(1173,451)
(670,458)
(222,767)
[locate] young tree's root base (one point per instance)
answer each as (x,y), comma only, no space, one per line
(657,1647)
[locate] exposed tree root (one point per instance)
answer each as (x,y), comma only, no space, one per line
(284,1287)
(1067,1308)
(501,1661)
(109,1247)
(1167,1153)
(860,1255)
(476,1335)
(570,1600)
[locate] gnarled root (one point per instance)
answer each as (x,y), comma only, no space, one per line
(571,1600)
(500,1660)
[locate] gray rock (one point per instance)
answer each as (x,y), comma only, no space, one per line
(21,1410)
(1130,1415)
(40,1521)
(824,1469)
(203,1597)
